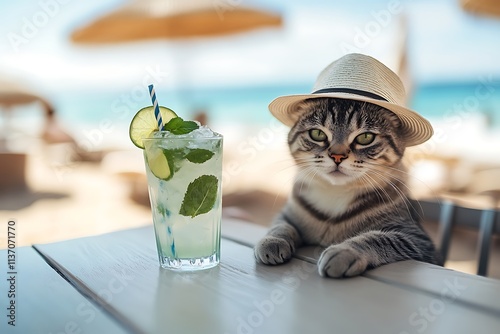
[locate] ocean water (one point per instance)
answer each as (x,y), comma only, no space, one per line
(249,104)
(440,102)
(101,118)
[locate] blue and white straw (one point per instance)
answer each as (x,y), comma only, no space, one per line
(157,108)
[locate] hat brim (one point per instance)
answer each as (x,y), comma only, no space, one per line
(417,129)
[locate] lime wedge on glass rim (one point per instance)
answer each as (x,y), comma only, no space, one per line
(144,123)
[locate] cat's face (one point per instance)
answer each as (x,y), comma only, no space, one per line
(346,142)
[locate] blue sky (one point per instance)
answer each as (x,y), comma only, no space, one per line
(444,44)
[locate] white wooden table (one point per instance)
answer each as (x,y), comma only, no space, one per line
(112,283)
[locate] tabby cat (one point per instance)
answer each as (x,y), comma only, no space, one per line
(349,194)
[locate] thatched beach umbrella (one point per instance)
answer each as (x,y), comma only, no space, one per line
(482,7)
(13,94)
(174,19)
(13,163)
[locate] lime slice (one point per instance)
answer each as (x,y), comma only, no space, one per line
(159,164)
(144,123)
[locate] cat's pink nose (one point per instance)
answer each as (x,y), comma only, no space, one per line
(337,158)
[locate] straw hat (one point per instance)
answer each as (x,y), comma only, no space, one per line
(361,78)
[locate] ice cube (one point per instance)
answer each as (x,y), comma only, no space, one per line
(202,132)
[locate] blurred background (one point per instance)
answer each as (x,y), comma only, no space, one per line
(73,74)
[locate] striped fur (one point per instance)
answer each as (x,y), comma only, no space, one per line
(349,197)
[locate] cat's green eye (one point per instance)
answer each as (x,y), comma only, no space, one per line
(365,138)
(317,135)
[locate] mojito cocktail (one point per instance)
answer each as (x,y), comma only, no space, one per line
(184,170)
(184,180)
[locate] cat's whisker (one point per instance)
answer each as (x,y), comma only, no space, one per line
(278,194)
(293,166)
(373,187)
(381,172)
(408,174)
(379,190)
(385,167)
(400,192)
(298,165)
(284,188)
(390,175)
(309,172)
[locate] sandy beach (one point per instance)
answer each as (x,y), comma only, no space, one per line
(69,201)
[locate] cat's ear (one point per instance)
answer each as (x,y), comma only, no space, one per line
(395,120)
(303,107)
(399,131)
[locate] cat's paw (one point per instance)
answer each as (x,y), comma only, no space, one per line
(341,261)
(272,250)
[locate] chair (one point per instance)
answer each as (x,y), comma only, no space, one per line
(450,214)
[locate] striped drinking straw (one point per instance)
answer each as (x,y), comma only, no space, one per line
(157,108)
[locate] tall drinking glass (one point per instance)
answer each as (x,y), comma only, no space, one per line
(184,180)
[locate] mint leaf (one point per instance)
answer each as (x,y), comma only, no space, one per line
(186,127)
(178,126)
(173,124)
(200,196)
(199,155)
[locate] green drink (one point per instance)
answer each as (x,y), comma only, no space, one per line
(184,173)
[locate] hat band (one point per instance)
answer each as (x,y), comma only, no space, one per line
(350,91)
